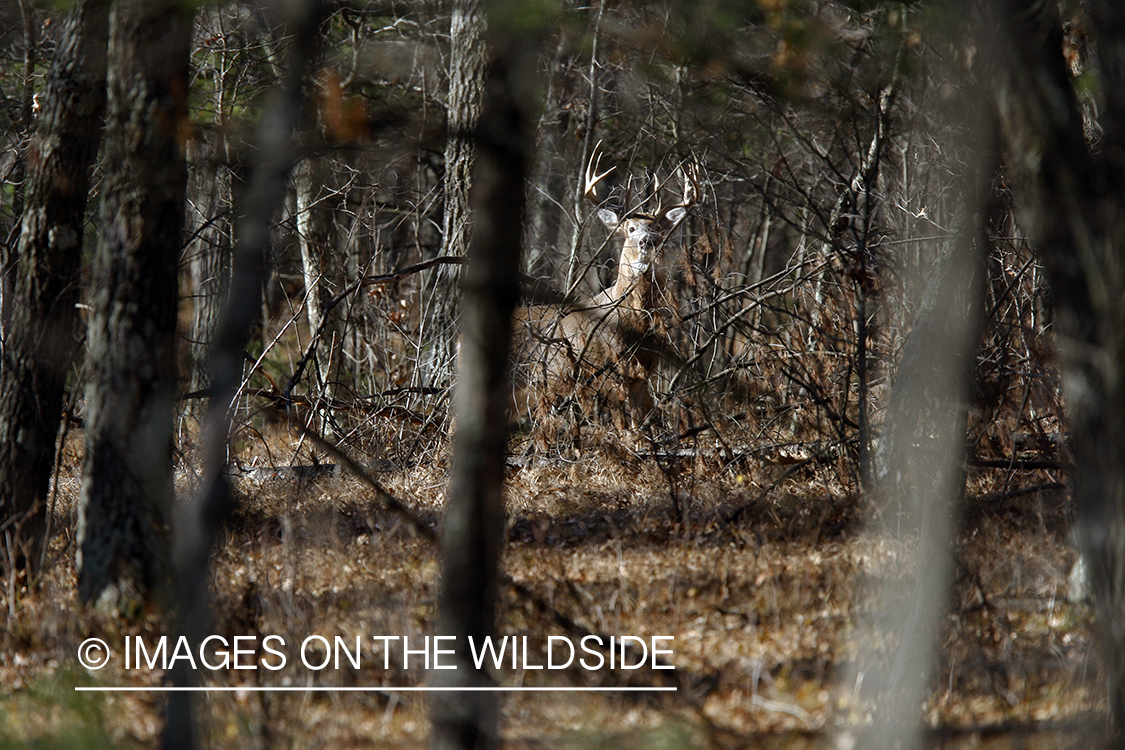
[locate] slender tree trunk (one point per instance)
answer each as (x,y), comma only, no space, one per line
(132,331)
(199,519)
(468,64)
(548,174)
(473,531)
(208,253)
(311,231)
(42,331)
(864,189)
(316,247)
(209,224)
(354,331)
(579,198)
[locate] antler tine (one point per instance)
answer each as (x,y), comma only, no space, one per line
(653,189)
(592,177)
(692,182)
(692,185)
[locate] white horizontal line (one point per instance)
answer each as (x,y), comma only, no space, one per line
(380,689)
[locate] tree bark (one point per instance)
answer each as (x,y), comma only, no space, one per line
(131,361)
(473,532)
(199,518)
(548,174)
(209,221)
(923,476)
(468,65)
(578,199)
(18,173)
(1077,213)
(313,236)
(41,339)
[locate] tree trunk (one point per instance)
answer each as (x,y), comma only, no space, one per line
(198,520)
(18,172)
(548,174)
(1077,212)
(209,221)
(42,331)
(473,532)
(132,331)
(578,199)
(468,64)
(922,479)
(313,236)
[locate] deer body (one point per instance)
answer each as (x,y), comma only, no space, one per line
(601,352)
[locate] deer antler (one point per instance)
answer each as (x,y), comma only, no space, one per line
(692,187)
(692,182)
(592,176)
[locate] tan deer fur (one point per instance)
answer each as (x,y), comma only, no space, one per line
(603,351)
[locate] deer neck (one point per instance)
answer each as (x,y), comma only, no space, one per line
(634,278)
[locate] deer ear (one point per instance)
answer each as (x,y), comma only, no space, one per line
(674,215)
(609,218)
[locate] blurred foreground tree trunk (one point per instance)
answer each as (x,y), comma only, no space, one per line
(1074,205)
(42,331)
(131,391)
(917,465)
(199,518)
(473,531)
(921,476)
(468,65)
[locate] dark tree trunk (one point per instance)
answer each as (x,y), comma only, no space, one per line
(43,326)
(199,519)
(473,533)
(18,173)
(208,224)
(211,212)
(468,65)
(1077,211)
(132,329)
(548,174)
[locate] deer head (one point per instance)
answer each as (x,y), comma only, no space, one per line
(642,232)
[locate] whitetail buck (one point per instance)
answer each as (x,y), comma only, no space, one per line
(603,350)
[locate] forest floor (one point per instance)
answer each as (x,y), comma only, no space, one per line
(768,593)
